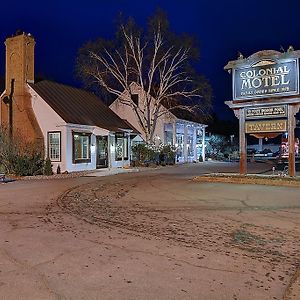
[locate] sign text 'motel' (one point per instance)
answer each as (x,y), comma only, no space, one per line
(266,79)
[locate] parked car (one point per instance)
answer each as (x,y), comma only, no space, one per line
(264,153)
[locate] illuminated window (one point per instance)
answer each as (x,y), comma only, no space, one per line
(179,144)
(168,128)
(81,147)
(54,146)
(190,145)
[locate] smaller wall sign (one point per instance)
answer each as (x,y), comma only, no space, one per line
(278,111)
(266,126)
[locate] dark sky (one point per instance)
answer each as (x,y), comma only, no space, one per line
(223,27)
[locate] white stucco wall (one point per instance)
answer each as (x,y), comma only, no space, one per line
(126,112)
(49,120)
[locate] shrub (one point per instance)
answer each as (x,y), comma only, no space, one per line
(144,154)
(169,153)
(58,171)
(147,153)
(28,164)
(19,157)
(48,167)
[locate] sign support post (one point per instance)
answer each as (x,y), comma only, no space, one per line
(291,139)
(243,142)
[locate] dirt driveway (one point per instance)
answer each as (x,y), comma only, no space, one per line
(153,235)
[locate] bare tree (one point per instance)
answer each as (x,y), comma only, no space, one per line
(157,68)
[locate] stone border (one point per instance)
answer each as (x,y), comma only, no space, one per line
(50,177)
(248,179)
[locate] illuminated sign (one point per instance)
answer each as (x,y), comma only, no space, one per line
(278,111)
(266,79)
(266,126)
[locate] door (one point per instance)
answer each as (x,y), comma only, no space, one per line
(102,152)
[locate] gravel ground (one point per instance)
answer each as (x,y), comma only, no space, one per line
(243,235)
(150,235)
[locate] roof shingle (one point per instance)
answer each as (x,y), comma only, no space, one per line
(78,106)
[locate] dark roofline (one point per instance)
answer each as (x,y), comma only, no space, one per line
(70,104)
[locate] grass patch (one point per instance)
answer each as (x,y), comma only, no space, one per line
(242,236)
(249,179)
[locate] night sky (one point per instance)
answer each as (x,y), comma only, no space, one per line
(222,28)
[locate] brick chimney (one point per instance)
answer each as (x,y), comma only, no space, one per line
(20,68)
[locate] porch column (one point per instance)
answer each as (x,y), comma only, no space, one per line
(291,139)
(203,144)
(174,133)
(242,135)
(185,149)
(123,149)
(109,145)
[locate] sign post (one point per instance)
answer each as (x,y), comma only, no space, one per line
(243,142)
(291,140)
(266,98)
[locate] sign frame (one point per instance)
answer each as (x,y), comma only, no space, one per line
(266,95)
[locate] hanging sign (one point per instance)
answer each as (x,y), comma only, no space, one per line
(266,79)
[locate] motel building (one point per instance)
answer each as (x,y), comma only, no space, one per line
(176,128)
(75,128)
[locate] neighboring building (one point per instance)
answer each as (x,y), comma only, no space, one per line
(77,130)
(173,128)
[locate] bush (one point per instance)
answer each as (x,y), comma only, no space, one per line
(168,152)
(145,154)
(19,157)
(48,167)
(28,164)
(58,171)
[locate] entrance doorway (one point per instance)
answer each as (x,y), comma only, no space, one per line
(102,152)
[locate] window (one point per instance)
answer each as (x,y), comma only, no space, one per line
(179,144)
(121,146)
(135,99)
(168,137)
(81,147)
(190,145)
(54,146)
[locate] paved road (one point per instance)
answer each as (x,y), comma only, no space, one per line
(151,235)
